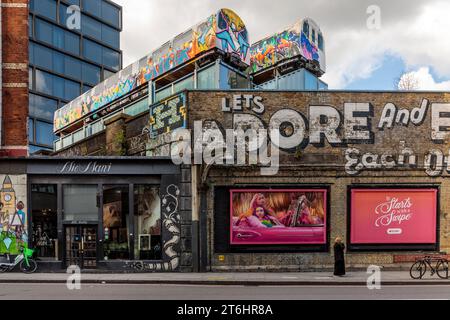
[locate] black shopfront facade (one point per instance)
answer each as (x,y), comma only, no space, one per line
(118,213)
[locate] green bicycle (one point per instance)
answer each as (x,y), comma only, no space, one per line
(24,260)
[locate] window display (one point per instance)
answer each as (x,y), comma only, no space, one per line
(147,223)
(45,221)
(116,226)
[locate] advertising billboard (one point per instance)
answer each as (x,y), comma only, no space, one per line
(274,217)
(393,216)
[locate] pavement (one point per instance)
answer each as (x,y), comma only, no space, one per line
(244,278)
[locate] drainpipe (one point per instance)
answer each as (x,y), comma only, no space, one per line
(195,219)
(203,229)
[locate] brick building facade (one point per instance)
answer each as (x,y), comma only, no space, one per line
(338,142)
(14,133)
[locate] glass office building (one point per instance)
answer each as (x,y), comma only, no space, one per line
(70,52)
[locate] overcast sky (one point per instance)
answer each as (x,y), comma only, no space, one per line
(414,34)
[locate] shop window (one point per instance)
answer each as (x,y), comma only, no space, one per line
(45,221)
(116,244)
(80,203)
(147,221)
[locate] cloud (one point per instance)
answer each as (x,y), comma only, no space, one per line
(413,30)
(424,80)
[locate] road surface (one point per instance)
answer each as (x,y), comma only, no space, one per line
(185,292)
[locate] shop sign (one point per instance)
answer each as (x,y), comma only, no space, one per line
(93,167)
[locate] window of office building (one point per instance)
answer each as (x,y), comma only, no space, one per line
(41,107)
(46,8)
(57,37)
(56,86)
(102,55)
(52,60)
(103,10)
(44,133)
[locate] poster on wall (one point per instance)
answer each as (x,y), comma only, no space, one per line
(271,217)
(393,216)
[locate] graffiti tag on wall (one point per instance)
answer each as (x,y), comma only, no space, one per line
(168,116)
(171,221)
(13,219)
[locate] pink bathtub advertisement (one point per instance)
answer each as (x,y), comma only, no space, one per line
(393,216)
(278,217)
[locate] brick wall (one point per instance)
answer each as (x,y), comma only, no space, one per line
(310,165)
(317,165)
(15,77)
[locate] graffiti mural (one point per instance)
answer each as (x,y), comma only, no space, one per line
(13,218)
(168,116)
(287,44)
(224,31)
(171,221)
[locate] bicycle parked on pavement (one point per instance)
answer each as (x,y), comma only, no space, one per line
(24,260)
(419,268)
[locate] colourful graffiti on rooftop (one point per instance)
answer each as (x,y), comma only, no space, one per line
(285,45)
(224,31)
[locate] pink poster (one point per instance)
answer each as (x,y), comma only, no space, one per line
(278,217)
(393,216)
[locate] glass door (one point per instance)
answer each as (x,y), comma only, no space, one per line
(81,246)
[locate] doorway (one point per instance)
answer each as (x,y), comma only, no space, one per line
(81,246)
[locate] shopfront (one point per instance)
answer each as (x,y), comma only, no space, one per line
(103,212)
